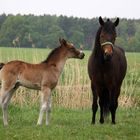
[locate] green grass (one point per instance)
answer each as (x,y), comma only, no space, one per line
(69,124)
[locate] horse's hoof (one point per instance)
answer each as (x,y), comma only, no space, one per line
(113,123)
(101,121)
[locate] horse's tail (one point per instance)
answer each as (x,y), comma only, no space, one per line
(1,65)
(106,102)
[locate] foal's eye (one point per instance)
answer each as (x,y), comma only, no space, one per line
(72,49)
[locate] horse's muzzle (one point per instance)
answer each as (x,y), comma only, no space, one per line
(107,56)
(108,51)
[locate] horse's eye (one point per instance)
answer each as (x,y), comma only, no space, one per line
(102,36)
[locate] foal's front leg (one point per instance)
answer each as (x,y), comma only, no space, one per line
(45,105)
(48,110)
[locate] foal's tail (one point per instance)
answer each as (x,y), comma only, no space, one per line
(106,102)
(1,65)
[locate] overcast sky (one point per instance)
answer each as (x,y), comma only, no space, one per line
(76,8)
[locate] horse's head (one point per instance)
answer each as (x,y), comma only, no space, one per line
(70,50)
(108,36)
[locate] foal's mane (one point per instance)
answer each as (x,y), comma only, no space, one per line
(53,53)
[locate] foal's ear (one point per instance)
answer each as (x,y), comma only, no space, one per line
(116,22)
(63,42)
(101,21)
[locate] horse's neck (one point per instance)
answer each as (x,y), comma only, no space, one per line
(98,57)
(97,52)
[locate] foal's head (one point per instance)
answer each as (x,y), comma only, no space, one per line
(107,37)
(70,50)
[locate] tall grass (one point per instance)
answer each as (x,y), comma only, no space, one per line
(131,84)
(73,89)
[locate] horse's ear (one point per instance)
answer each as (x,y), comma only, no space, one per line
(101,21)
(62,42)
(116,22)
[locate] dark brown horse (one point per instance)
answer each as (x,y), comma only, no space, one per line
(42,76)
(107,68)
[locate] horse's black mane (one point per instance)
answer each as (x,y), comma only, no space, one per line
(97,38)
(97,42)
(53,52)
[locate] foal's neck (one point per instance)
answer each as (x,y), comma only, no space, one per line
(57,62)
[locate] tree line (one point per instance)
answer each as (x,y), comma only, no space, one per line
(44,31)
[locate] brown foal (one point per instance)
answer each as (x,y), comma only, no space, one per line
(43,76)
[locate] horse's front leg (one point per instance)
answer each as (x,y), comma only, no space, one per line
(45,105)
(114,104)
(101,110)
(94,104)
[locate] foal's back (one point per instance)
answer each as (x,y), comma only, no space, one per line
(24,74)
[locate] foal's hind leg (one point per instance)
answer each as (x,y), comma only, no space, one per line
(5,98)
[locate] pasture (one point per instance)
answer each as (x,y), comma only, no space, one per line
(69,124)
(71,115)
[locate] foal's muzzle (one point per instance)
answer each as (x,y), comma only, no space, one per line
(81,55)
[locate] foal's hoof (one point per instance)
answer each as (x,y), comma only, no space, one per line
(5,125)
(39,124)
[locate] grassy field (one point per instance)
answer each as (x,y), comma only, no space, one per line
(71,114)
(69,124)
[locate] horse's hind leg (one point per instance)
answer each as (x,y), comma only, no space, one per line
(5,98)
